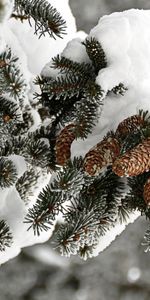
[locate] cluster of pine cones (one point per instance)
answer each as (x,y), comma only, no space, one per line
(107,152)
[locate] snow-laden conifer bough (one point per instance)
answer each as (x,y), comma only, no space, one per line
(48,126)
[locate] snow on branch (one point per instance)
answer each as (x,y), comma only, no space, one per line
(74,151)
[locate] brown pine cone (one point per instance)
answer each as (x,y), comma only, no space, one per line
(128,125)
(63,144)
(134,162)
(101,155)
(146,193)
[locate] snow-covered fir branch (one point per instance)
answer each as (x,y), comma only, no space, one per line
(74,127)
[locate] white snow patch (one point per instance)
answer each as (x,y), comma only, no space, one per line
(125,39)
(76,51)
(2,40)
(19,162)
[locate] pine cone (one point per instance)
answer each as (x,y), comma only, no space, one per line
(101,155)
(134,162)
(63,144)
(146,193)
(128,125)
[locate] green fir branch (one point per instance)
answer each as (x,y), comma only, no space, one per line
(11,78)
(10,117)
(50,200)
(26,183)
(36,152)
(85,117)
(27,116)
(123,211)
(146,242)
(6,238)
(79,103)
(15,145)
(69,179)
(86,251)
(66,65)
(43,214)
(64,87)
(9,111)
(70,236)
(120,89)
(90,214)
(68,96)
(8,173)
(95,53)
(47,18)
(134,199)
(93,92)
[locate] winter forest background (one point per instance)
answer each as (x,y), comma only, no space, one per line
(121,272)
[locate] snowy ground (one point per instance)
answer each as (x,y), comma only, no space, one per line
(119,273)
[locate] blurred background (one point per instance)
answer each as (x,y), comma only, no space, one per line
(88,12)
(121,272)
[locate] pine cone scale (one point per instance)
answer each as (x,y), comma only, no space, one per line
(128,125)
(134,162)
(63,144)
(101,155)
